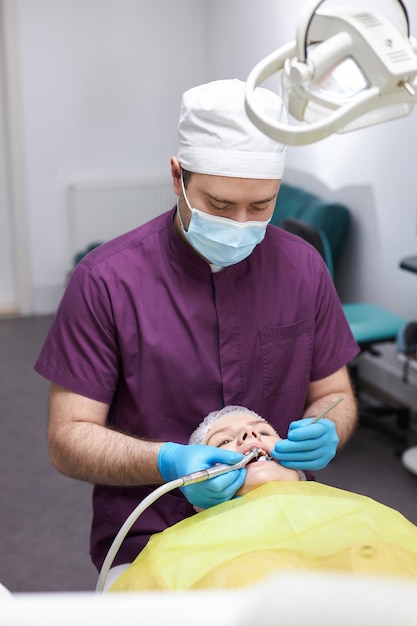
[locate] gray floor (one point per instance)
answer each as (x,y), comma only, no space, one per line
(45,518)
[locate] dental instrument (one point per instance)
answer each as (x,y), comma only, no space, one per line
(347,69)
(182,481)
(326,411)
(217,470)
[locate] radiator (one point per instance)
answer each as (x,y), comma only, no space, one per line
(101,210)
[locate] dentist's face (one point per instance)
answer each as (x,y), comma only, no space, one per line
(222,218)
(242,432)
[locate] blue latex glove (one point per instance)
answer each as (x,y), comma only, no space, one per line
(176,460)
(308,446)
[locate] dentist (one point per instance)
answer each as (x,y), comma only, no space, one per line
(206,305)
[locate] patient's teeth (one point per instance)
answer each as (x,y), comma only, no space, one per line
(262,456)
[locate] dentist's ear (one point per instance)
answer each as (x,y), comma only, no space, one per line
(176,175)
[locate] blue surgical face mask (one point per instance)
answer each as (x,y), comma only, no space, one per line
(220,240)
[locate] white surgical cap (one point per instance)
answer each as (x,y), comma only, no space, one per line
(217,137)
(200,435)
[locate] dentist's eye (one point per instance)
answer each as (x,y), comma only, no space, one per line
(219,207)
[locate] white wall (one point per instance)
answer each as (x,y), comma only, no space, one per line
(7,279)
(101,83)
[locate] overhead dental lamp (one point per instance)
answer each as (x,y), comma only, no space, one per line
(347,69)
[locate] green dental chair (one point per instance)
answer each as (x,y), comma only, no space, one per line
(325,225)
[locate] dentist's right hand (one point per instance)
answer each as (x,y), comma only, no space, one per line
(176,460)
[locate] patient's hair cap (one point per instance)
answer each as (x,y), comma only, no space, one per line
(200,435)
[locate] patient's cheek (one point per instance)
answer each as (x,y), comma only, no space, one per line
(243,490)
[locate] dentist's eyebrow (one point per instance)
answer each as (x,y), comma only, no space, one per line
(225,201)
(273,197)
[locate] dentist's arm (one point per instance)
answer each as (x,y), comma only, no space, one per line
(82,446)
(323,392)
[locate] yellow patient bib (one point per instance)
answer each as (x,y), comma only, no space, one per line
(279,526)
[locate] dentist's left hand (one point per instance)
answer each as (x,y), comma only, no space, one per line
(308,446)
(176,460)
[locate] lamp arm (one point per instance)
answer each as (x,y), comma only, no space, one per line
(302,135)
(306,16)
(297,135)
(304,20)
(407,20)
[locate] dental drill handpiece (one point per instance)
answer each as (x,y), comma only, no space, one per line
(217,470)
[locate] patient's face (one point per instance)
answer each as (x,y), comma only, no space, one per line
(242,432)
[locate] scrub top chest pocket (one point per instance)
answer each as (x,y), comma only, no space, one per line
(286,357)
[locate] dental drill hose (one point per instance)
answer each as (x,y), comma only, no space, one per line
(136,513)
(183,481)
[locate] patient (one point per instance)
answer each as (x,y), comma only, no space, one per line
(280,523)
(240,429)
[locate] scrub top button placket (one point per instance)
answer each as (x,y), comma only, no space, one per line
(229,336)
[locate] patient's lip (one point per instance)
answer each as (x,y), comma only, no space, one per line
(262,453)
(250,447)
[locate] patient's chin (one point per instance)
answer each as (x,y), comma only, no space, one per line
(259,473)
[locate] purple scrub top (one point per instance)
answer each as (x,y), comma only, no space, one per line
(146,327)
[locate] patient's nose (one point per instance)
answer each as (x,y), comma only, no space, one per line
(249,434)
